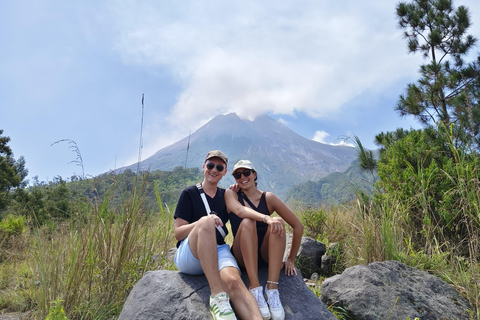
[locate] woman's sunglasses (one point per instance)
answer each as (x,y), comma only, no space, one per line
(246,173)
(211,165)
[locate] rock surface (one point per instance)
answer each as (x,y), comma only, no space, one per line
(172,295)
(392,290)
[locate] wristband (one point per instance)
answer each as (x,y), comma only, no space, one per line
(264,217)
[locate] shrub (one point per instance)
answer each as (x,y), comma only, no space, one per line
(12,225)
(314,222)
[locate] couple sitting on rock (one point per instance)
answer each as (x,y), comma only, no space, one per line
(259,240)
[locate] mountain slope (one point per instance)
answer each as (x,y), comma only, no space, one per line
(333,189)
(281,157)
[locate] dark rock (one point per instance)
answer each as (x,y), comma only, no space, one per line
(392,290)
(309,256)
(327,265)
(331,258)
(172,295)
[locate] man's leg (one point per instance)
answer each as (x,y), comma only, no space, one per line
(242,300)
(203,244)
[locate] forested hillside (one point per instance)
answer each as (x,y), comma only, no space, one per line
(48,202)
(334,189)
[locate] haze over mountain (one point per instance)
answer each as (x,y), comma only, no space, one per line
(281,157)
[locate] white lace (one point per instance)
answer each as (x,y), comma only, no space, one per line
(221,300)
(274,298)
(258,295)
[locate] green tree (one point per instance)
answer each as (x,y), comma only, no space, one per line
(12,172)
(447,91)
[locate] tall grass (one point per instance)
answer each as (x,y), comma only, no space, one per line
(443,241)
(92,263)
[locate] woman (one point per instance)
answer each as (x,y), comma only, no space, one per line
(259,238)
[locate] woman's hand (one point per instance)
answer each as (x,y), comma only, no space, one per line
(289,267)
(277,225)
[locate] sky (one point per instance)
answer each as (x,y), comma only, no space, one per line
(73,73)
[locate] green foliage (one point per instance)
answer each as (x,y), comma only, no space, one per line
(314,222)
(339,312)
(47,203)
(423,261)
(434,180)
(447,91)
(56,311)
(12,172)
(59,200)
(12,225)
(169,185)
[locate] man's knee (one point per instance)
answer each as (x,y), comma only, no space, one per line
(233,281)
(205,223)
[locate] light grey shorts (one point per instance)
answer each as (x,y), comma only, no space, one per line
(186,262)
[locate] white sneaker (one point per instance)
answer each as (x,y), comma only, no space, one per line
(273,300)
(262,304)
(220,307)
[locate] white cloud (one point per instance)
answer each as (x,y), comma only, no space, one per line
(241,57)
(282,121)
(320,136)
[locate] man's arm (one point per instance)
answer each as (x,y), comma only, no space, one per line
(182,228)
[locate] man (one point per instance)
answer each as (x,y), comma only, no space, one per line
(201,246)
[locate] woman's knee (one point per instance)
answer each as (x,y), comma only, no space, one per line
(248,224)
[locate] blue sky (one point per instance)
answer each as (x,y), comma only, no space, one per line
(77,70)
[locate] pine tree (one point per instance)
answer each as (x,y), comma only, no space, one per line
(448,89)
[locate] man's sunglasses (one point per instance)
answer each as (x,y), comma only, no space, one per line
(211,165)
(246,173)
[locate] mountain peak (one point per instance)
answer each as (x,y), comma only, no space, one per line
(282,157)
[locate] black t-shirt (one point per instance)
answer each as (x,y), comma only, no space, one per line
(190,208)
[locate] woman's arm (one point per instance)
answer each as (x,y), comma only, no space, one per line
(245,212)
(277,205)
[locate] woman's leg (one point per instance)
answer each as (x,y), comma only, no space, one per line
(272,251)
(245,250)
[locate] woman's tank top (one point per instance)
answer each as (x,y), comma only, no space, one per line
(262,208)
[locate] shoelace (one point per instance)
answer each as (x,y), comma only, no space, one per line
(274,298)
(222,304)
(257,294)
